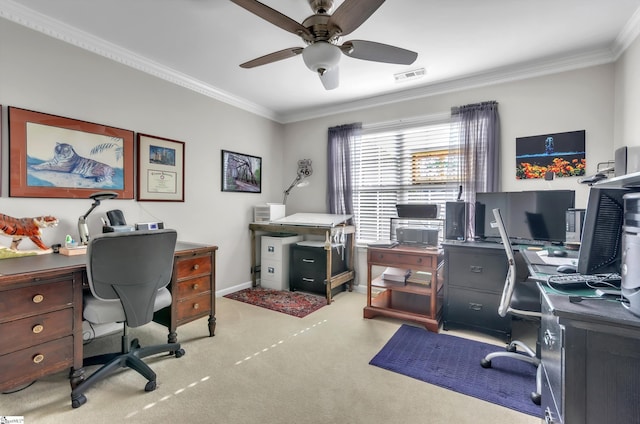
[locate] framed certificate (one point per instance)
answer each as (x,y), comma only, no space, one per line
(160,169)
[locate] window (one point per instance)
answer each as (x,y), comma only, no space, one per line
(406,162)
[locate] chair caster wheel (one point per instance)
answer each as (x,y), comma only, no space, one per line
(150,386)
(179,353)
(536,398)
(78,401)
(485,364)
(511,347)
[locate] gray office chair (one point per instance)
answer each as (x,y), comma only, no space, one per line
(128,273)
(518,299)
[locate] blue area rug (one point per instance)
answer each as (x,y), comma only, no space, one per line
(454,363)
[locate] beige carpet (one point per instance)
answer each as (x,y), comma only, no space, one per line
(265,367)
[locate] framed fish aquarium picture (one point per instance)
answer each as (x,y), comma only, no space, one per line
(57,157)
(241,173)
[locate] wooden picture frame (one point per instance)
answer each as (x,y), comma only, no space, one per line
(241,173)
(58,157)
(160,169)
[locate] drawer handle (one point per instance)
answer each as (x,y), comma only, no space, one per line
(310,261)
(196,266)
(475,268)
(196,306)
(308,280)
(475,306)
(38,358)
(38,298)
(37,329)
(195,286)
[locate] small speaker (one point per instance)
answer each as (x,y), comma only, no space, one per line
(455,224)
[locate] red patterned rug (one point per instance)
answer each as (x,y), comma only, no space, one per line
(297,304)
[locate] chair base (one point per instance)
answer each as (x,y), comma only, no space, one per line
(130,357)
(528,356)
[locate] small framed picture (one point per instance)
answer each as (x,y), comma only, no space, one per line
(54,156)
(241,172)
(160,169)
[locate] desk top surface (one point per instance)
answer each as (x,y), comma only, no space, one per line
(53,261)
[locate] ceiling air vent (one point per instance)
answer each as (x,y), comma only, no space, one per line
(409,75)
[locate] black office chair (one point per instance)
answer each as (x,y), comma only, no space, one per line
(128,273)
(518,299)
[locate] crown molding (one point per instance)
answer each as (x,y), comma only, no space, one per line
(19,14)
(497,76)
(36,21)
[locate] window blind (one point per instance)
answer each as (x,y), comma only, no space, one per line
(404,162)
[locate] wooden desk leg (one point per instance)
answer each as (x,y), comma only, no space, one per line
(253,258)
(327,248)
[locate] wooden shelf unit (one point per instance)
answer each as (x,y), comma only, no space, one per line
(407,301)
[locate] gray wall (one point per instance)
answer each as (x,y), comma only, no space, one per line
(47,75)
(567,101)
(50,76)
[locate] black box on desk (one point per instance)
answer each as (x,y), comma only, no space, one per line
(308,267)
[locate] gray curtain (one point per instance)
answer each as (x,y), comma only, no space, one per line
(478,138)
(339,184)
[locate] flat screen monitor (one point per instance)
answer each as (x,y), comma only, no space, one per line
(529,215)
(601,246)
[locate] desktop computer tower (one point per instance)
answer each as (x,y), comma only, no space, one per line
(574,220)
(455,224)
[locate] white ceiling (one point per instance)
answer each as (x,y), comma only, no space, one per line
(461,43)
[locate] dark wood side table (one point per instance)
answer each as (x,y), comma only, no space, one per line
(407,301)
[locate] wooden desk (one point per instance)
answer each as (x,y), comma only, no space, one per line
(41,310)
(410,301)
(333,281)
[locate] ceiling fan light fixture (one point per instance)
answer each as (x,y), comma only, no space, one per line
(321,56)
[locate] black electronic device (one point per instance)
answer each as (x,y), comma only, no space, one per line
(116,217)
(601,246)
(558,253)
(418,210)
(530,216)
(455,224)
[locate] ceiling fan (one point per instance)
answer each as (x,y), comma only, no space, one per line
(322,31)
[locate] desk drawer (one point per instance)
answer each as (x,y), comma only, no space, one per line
(409,260)
(36,329)
(193,286)
(194,307)
(476,309)
(192,267)
(35,299)
(477,270)
(34,362)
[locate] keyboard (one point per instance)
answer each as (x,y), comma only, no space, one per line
(580,281)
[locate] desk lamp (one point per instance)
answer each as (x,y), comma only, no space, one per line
(83,228)
(304,171)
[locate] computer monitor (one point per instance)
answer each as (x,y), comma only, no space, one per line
(528,215)
(601,246)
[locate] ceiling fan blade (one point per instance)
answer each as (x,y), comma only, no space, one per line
(273,16)
(378,52)
(273,57)
(331,78)
(351,14)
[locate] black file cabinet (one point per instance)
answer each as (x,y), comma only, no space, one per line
(475,275)
(308,268)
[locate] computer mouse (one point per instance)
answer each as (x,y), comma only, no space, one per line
(566,269)
(558,253)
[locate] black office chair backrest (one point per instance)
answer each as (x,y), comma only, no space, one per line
(132,267)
